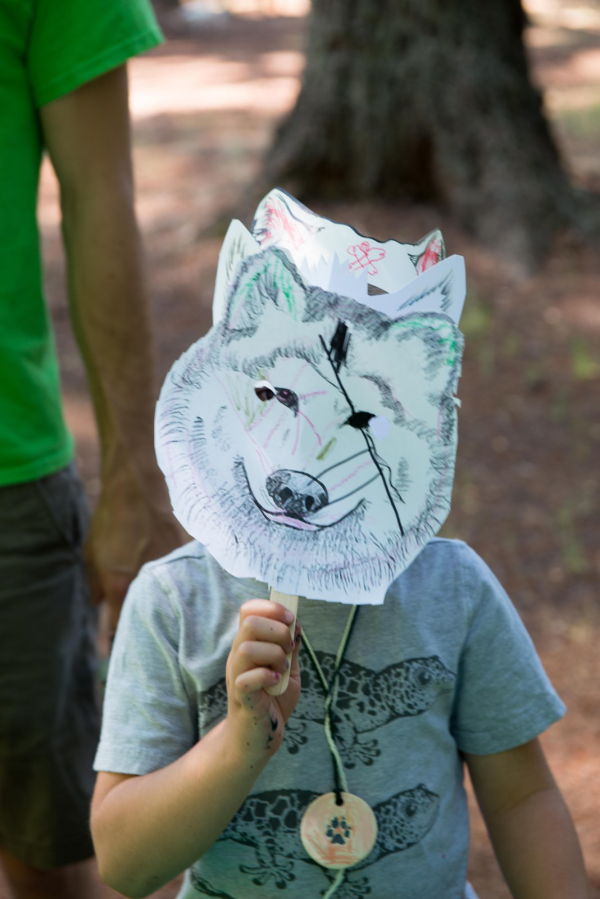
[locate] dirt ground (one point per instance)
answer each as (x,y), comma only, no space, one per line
(527,488)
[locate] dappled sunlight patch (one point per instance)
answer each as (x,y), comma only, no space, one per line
(267,7)
(199,85)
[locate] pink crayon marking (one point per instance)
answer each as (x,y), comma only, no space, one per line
(277,219)
(295,380)
(308,396)
(299,373)
(278,422)
(365,256)
(350,476)
(431,256)
(263,460)
(413,417)
(316,433)
(295,523)
(310,455)
(297,435)
(261,419)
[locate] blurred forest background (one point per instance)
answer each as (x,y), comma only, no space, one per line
(205,108)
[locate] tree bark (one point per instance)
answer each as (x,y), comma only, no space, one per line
(428,99)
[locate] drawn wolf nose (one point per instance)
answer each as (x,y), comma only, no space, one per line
(296,493)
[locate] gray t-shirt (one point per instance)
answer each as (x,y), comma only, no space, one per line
(443,666)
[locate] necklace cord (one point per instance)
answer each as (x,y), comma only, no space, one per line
(331,694)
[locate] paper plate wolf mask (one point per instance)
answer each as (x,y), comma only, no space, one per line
(309,439)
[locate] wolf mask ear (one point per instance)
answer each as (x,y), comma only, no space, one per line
(282,221)
(318,246)
(237,246)
(429,251)
(441,288)
(268,281)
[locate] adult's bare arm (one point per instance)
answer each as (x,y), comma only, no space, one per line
(529,824)
(87,133)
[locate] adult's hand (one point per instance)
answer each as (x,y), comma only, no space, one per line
(130,526)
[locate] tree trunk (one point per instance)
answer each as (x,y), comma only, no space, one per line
(428,99)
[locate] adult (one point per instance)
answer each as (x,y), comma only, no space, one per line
(63,85)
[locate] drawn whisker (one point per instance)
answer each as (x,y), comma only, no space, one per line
(343,462)
(362,486)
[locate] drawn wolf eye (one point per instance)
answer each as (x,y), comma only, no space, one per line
(359,420)
(287,398)
(378,424)
(264,391)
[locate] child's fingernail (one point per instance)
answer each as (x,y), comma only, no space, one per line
(276,675)
(289,616)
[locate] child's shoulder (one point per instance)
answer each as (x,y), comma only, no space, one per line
(171,581)
(190,555)
(450,574)
(192,582)
(446,558)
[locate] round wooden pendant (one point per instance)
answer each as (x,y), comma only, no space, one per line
(338,836)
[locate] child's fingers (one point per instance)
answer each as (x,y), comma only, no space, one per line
(266,630)
(249,682)
(264,620)
(254,654)
(266,609)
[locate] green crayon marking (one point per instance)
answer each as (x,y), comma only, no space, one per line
(326,449)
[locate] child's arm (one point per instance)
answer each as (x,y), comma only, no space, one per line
(149,828)
(529,825)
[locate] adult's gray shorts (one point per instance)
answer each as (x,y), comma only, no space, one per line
(49,716)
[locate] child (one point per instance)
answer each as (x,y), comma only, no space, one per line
(443,672)
(201,768)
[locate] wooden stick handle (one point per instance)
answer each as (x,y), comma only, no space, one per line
(291,603)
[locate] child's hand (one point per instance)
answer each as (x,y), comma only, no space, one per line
(257,656)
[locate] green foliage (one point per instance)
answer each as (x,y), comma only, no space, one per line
(560,410)
(476,320)
(581,123)
(511,345)
(476,324)
(572,551)
(583,364)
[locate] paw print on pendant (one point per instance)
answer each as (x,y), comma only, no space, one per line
(338,836)
(338,830)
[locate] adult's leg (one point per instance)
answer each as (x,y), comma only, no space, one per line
(49,718)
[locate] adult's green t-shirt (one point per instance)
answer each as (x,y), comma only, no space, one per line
(48,48)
